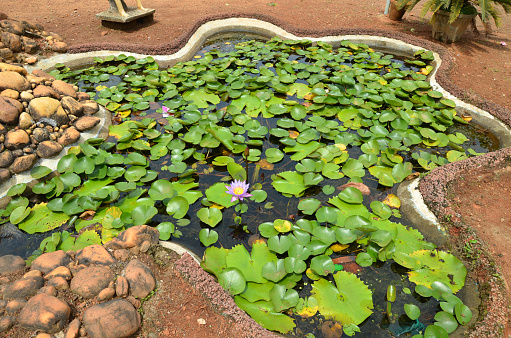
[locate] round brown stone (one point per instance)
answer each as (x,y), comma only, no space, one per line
(11,41)
(70,135)
(29,45)
(45,91)
(140,278)
(64,89)
(10,110)
(89,282)
(12,26)
(94,254)
(25,287)
(90,107)
(71,106)
(16,139)
(10,264)
(43,74)
(6,158)
(51,260)
(7,67)
(122,287)
(13,80)
(47,108)
(15,305)
(5,174)
(6,323)
(44,312)
(73,330)
(114,319)
(47,149)
(86,123)
(26,121)
(60,283)
(134,236)
(13,94)
(23,163)
(106,294)
(61,271)
(59,47)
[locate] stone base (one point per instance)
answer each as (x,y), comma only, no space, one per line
(133,14)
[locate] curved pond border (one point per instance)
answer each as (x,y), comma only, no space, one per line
(431,189)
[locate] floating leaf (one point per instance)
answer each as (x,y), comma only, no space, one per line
(232,280)
(210,216)
(264,314)
(208,237)
(40,171)
(282,298)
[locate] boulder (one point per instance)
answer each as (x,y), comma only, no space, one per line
(113,319)
(47,149)
(89,282)
(10,264)
(16,139)
(71,106)
(29,45)
(121,255)
(6,54)
(11,93)
(13,80)
(45,313)
(11,41)
(83,96)
(6,160)
(86,123)
(7,67)
(26,96)
(122,287)
(6,323)
(25,287)
(42,74)
(12,26)
(23,163)
(61,271)
(25,121)
(64,89)
(70,135)
(90,107)
(94,254)
(49,109)
(15,305)
(59,283)
(5,174)
(59,47)
(51,260)
(140,278)
(106,294)
(73,330)
(45,91)
(134,236)
(41,134)
(10,110)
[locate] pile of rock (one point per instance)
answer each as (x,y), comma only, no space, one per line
(38,117)
(24,41)
(37,300)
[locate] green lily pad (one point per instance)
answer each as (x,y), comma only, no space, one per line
(40,171)
(232,280)
(273,155)
(412,311)
(178,207)
(274,270)
(142,214)
(161,189)
(264,314)
(210,216)
(208,237)
(322,265)
(282,298)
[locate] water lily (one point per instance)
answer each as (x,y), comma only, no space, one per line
(165,111)
(502,43)
(238,190)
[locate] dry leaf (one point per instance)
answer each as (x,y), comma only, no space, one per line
(264,164)
(293,134)
(392,201)
(364,189)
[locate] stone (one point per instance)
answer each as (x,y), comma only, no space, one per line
(25,121)
(16,139)
(83,96)
(144,247)
(43,335)
(33,273)
(134,236)
(6,160)
(121,255)
(10,264)
(47,149)
(11,93)
(23,163)
(12,26)
(89,282)
(113,319)
(45,91)
(47,108)
(48,289)
(41,134)
(10,110)
(44,312)
(6,323)
(7,67)
(42,74)
(61,271)
(13,80)
(15,305)
(122,287)
(6,54)
(64,89)
(86,123)
(140,278)
(90,107)
(60,283)
(26,96)
(29,45)
(73,330)
(135,302)
(59,47)
(70,135)
(5,174)
(94,254)
(25,287)
(106,294)
(71,106)
(31,60)
(51,260)
(11,41)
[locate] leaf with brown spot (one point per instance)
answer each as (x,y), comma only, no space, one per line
(293,134)
(364,189)
(264,164)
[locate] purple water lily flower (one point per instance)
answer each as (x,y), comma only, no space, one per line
(165,111)
(238,190)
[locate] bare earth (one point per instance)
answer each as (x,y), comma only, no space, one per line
(481,68)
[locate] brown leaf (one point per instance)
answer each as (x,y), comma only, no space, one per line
(264,164)
(87,215)
(364,189)
(293,134)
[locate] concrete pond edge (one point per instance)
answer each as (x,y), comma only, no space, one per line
(420,207)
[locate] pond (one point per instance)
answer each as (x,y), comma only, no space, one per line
(322,135)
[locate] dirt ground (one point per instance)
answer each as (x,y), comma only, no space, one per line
(481,68)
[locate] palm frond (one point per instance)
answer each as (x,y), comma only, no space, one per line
(455,10)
